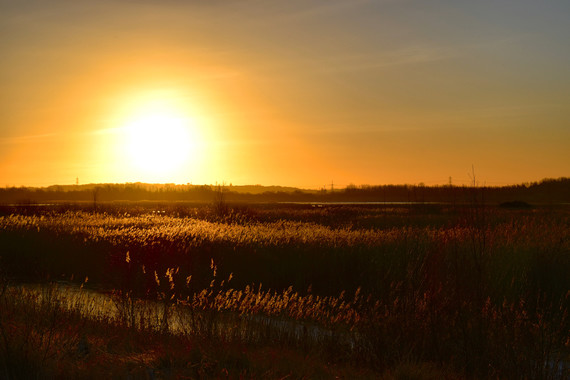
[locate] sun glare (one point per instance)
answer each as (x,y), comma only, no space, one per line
(160,145)
(157,142)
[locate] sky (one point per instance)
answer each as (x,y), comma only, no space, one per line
(299,93)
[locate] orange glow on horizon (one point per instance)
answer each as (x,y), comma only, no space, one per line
(298,94)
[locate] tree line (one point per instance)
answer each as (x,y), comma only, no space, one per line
(546,191)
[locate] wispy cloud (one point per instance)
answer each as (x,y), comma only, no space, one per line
(28,138)
(47,137)
(307,9)
(404,56)
(414,54)
(107,131)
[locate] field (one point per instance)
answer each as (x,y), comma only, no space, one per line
(172,290)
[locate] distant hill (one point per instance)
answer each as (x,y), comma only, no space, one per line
(162,187)
(547,191)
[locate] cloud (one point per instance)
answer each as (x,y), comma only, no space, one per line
(307,9)
(403,56)
(26,139)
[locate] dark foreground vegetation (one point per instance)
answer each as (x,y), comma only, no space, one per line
(271,291)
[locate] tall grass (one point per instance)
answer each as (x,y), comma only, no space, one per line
(483,292)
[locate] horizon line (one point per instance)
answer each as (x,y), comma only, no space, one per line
(361,186)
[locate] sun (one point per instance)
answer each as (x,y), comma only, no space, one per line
(156,135)
(157,141)
(160,144)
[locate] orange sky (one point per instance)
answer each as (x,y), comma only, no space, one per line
(297,93)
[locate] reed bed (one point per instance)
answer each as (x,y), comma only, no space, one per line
(479,292)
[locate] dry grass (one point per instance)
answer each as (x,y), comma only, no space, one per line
(480,293)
